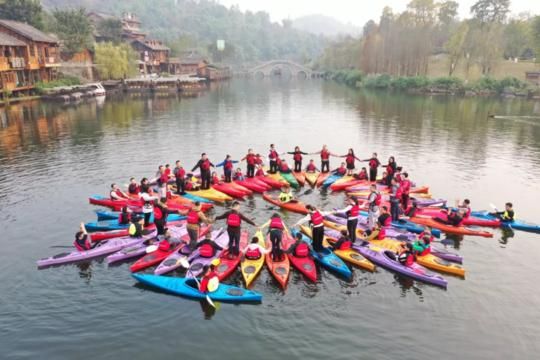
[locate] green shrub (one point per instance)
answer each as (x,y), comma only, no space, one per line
(64,80)
(448,83)
(383,81)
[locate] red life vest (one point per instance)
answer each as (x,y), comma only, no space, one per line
(341,170)
(354,211)
(124,218)
(206,250)
(297,156)
(258,160)
(362,176)
(234,219)
(164,245)
(193,217)
(311,167)
(406,185)
(163,178)
(346,245)
(316,218)
(284,167)
(302,250)
(386,219)
(426,251)
(205,165)
(117,192)
(215,179)
(85,246)
(398,177)
(349,159)
(399,192)
(382,234)
(158,213)
(410,260)
(228,165)
(276,223)
(179,173)
(250,158)
(325,154)
(253,254)
(273,155)
(373,163)
(259,172)
(205,280)
(378,198)
(134,189)
(389,170)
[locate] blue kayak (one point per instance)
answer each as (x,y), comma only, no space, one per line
(114,215)
(189,288)
(409,226)
(516,224)
(197,198)
(105,225)
(328,259)
(330,180)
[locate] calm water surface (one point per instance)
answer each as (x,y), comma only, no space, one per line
(52,157)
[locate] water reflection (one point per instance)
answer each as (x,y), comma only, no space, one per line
(506,234)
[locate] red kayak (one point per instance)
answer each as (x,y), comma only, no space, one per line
(105,235)
(471,220)
(117,205)
(159,255)
(227,265)
(230,190)
(253,184)
(272,182)
(306,265)
(340,186)
(297,207)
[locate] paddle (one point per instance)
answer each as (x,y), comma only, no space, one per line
(493,207)
(151,248)
(185,263)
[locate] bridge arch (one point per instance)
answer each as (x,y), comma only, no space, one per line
(268,69)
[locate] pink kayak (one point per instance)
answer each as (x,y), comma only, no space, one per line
(471,220)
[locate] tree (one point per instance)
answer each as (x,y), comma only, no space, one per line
(536,36)
(369,28)
(456,46)
(490,11)
(517,38)
(114,61)
(28,11)
(74,29)
(110,29)
(447,12)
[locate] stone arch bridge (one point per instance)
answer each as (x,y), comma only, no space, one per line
(279,67)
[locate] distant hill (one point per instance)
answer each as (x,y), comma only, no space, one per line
(319,24)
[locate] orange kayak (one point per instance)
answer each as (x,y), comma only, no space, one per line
(322,177)
(297,207)
(459,230)
(300,177)
(279,269)
(311,177)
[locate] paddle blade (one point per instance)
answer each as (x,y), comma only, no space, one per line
(151,248)
(210,301)
(184,262)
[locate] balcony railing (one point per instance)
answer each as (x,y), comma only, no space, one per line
(17,62)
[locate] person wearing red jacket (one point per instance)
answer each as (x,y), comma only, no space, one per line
(180,178)
(273,158)
(251,160)
(373,164)
(325,158)
(405,190)
(234,222)
(297,157)
(204,165)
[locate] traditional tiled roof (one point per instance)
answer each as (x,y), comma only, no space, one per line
(153,45)
(7,40)
(27,31)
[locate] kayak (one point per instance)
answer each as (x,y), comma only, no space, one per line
(277,177)
(183,200)
(322,178)
(253,185)
(114,215)
(105,225)
(211,194)
(383,189)
(143,247)
(311,177)
(471,220)
(345,182)
(105,235)
(297,207)
(516,224)
(329,260)
(276,184)
(289,177)
(189,288)
(251,268)
(279,268)
(387,259)
(230,190)
(172,260)
(103,249)
(155,257)
(300,176)
(227,265)
(305,265)
(430,260)
(414,228)
(174,203)
(197,262)
(194,197)
(330,180)
(459,230)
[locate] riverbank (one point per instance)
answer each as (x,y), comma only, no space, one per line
(486,86)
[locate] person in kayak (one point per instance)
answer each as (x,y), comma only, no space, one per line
(273,157)
(133,188)
(397,175)
(148,206)
(374,202)
(259,160)
(82,240)
(135,228)
(145,186)
(405,255)
(350,158)
(411,210)
(204,165)
(297,157)
(362,175)
(208,247)
(259,171)
(422,246)
(116,193)
(299,248)
(125,216)
(507,215)
(180,178)
(344,242)
(285,196)
(234,221)
(384,219)
(325,158)
(395,196)
(405,185)
(194,219)
(316,221)
(378,232)
(238,176)
(454,217)
(311,167)
(276,227)
(465,205)
(251,160)
(254,251)
(341,170)
(352,211)
(228,165)
(284,167)
(390,170)
(373,164)
(191,184)
(215,178)
(209,272)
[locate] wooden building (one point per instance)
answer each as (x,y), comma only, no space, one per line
(153,55)
(28,56)
(214,73)
(130,26)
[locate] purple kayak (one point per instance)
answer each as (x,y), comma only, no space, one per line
(393,233)
(387,259)
(140,249)
(172,262)
(198,262)
(104,248)
(423,202)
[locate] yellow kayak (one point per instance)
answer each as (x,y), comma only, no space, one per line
(430,261)
(211,194)
(339,227)
(251,268)
(311,177)
(349,255)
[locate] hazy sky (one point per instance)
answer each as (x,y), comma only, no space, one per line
(354,11)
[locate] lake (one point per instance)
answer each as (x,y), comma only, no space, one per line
(52,157)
